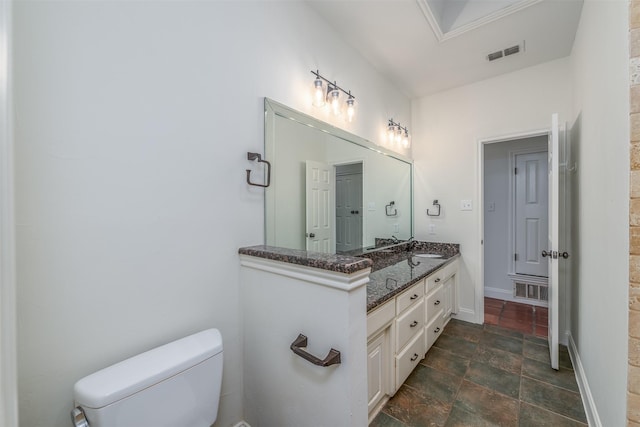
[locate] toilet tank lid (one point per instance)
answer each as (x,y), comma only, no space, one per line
(146,369)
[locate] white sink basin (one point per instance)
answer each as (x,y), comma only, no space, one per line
(428,255)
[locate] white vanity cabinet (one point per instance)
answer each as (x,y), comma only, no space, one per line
(380,354)
(400,331)
(409,326)
(441,302)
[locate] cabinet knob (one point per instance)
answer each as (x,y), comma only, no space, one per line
(437,302)
(415,356)
(436,330)
(437,280)
(414,324)
(414,297)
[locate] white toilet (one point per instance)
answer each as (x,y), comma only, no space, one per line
(175,385)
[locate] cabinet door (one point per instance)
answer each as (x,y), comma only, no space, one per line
(378,366)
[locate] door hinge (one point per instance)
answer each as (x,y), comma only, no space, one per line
(515,257)
(515,171)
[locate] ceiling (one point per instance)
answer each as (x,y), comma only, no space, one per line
(426,46)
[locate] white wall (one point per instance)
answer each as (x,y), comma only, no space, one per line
(600,137)
(133,120)
(448,128)
(498,235)
(8,362)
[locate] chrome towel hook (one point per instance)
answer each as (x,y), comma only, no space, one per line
(256,156)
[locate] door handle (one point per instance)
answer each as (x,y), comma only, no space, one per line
(546,254)
(564,255)
(355,212)
(312,235)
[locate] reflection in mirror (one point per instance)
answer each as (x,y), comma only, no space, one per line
(331,191)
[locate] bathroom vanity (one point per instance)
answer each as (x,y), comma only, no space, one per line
(405,319)
(380,312)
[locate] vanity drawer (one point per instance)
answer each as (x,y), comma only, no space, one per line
(409,297)
(434,280)
(434,304)
(449,270)
(434,329)
(409,324)
(409,358)
(380,317)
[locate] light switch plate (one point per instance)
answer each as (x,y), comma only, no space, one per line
(371,206)
(432,229)
(465,205)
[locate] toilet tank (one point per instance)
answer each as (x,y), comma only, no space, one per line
(177,384)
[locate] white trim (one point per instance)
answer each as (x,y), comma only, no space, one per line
(479,289)
(467,315)
(588,401)
(242,424)
(498,293)
(446,35)
(8,363)
(332,279)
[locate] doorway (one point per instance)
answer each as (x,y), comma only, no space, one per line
(348,207)
(515,228)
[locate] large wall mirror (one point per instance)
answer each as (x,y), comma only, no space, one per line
(331,191)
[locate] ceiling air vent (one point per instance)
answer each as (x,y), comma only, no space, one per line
(512,50)
(506,52)
(494,55)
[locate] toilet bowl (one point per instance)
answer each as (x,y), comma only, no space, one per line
(177,384)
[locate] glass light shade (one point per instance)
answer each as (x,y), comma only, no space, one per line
(334,100)
(398,134)
(391,133)
(405,139)
(351,108)
(318,93)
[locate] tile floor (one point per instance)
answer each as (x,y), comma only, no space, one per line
(525,318)
(486,375)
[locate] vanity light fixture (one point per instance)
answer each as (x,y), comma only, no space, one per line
(397,134)
(332,96)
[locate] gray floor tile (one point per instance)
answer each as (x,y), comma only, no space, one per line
(457,346)
(495,379)
(510,344)
(499,358)
(446,361)
(552,398)
(564,378)
(434,383)
(480,375)
(532,416)
(413,409)
(384,420)
(487,405)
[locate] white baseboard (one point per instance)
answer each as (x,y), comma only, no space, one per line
(242,424)
(466,315)
(590,409)
(498,293)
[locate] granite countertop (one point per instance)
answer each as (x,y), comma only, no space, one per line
(394,268)
(339,263)
(391,280)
